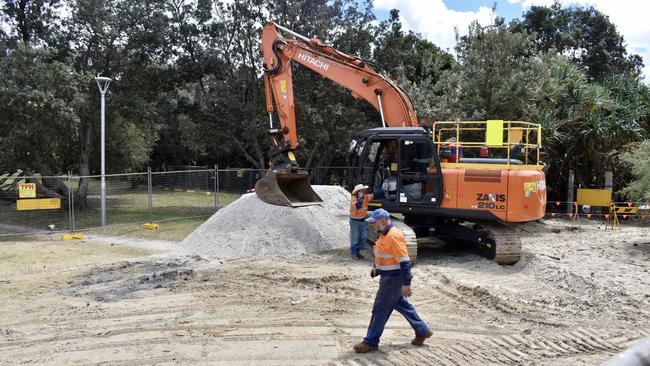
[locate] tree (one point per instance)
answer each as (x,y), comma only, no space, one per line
(416,64)
(586,34)
(188,83)
(586,125)
(31,21)
(637,157)
(39,124)
(495,66)
(500,75)
(222,109)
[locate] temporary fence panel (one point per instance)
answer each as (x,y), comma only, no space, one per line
(182,194)
(32,208)
(149,197)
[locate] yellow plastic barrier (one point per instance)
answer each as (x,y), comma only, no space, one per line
(74,236)
(594,197)
(38,204)
(149,226)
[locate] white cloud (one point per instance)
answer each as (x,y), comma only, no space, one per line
(434,20)
(529,3)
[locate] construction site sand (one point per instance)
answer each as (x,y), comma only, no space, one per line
(251,227)
(579,295)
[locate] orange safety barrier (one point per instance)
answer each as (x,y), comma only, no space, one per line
(616,212)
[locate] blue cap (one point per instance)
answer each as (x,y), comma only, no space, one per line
(378,214)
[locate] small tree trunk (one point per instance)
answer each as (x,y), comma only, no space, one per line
(310,159)
(84,167)
(52,185)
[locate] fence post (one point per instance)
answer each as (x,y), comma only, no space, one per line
(216,194)
(216,186)
(570,188)
(70,219)
(72,208)
(149,194)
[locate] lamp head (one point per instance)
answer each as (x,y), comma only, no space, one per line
(102,83)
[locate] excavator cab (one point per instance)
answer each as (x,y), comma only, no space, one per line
(400,165)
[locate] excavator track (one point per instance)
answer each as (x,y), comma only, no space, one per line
(498,241)
(504,242)
(411,239)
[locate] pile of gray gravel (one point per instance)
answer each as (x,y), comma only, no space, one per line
(252,227)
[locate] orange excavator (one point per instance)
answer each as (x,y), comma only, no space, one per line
(469,181)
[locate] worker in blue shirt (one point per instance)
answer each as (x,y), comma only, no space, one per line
(393,264)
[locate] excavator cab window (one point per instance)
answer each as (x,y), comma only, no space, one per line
(378,169)
(401,171)
(419,172)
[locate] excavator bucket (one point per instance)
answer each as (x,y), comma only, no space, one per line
(286,189)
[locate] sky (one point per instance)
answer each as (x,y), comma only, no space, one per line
(436,19)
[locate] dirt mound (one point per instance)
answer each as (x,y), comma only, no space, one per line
(251,227)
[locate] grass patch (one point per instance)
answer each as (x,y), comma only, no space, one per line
(174,230)
(123,207)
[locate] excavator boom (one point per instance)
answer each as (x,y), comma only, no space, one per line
(285,183)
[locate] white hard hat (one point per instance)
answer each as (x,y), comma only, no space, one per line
(358,187)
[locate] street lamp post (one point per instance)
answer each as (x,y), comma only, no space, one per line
(102,83)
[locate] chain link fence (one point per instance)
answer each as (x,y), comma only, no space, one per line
(134,198)
(73,203)
(46,215)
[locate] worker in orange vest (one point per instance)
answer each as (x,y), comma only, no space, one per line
(393,264)
(358,214)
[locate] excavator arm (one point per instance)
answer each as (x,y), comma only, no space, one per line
(285,183)
(351,72)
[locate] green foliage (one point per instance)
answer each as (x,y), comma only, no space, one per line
(30,20)
(493,77)
(416,64)
(500,74)
(586,34)
(637,157)
(39,99)
(133,155)
(585,124)
(188,90)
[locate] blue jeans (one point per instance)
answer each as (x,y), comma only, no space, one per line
(389,297)
(358,236)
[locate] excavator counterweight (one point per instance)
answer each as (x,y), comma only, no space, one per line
(286,189)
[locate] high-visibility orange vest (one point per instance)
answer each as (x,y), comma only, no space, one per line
(390,250)
(362,212)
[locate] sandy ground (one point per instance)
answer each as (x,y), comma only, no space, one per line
(576,298)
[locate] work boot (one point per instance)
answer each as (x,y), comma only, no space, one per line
(419,340)
(364,348)
(358,256)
